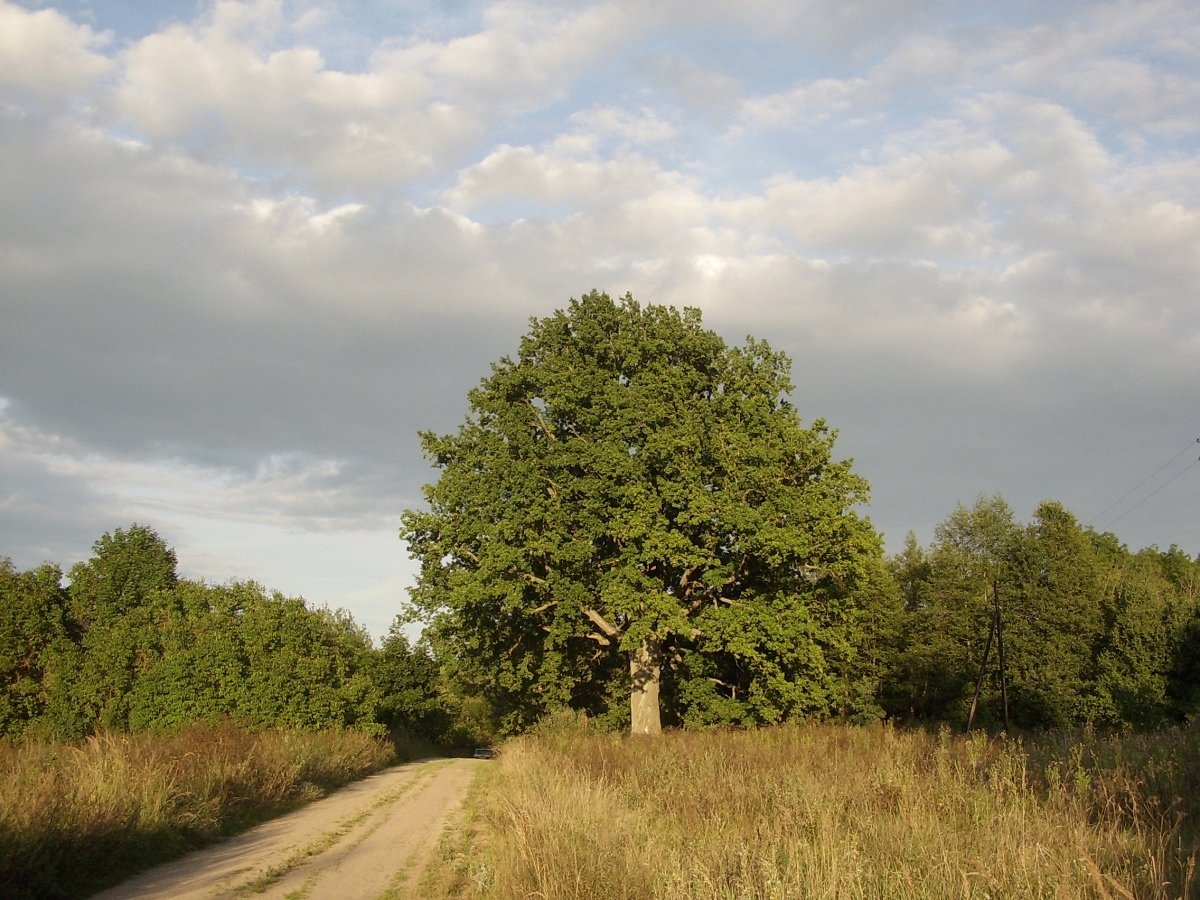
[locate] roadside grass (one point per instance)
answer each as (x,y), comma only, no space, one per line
(460,865)
(75,818)
(831,811)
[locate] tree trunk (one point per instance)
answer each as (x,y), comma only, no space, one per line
(645,672)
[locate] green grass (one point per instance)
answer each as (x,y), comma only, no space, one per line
(834,812)
(76,818)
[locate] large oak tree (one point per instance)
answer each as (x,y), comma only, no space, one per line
(629,501)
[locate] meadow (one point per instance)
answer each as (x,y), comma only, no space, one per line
(830,811)
(76,817)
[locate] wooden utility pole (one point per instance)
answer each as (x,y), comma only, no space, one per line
(995,632)
(1000,650)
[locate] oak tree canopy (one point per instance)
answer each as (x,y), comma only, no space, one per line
(634,509)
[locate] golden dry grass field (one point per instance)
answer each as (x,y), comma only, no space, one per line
(831,811)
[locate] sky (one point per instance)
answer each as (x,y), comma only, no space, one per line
(248,250)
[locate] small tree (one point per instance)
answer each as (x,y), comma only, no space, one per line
(629,498)
(116,598)
(126,567)
(951,595)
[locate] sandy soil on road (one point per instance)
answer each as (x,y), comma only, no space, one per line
(371,839)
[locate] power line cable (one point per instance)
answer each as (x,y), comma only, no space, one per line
(1144,482)
(1173,478)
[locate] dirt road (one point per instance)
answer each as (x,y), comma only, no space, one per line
(372,839)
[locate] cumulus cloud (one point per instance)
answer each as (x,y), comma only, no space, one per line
(525,54)
(526,176)
(211,86)
(44,53)
(628,127)
(223,86)
(1135,93)
(811,103)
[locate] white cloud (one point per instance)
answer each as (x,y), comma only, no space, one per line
(812,103)
(640,128)
(700,91)
(525,54)
(929,203)
(1136,94)
(284,107)
(527,176)
(220,84)
(840,29)
(43,52)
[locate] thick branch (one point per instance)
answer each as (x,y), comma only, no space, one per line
(686,578)
(732,688)
(541,420)
(575,431)
(599,639)
(600,622)
(740,570)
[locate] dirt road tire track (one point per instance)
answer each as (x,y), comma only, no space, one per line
(369,840)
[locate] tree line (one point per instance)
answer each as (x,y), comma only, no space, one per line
(1093,633)
(123,643)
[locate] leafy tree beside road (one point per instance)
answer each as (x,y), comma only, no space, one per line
(130,646)
(634,508)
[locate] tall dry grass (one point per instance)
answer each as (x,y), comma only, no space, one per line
(838,812)
(76,817)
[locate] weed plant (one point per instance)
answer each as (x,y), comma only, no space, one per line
(838,812)
(77,817)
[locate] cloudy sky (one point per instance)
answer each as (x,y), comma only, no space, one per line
(249,249)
